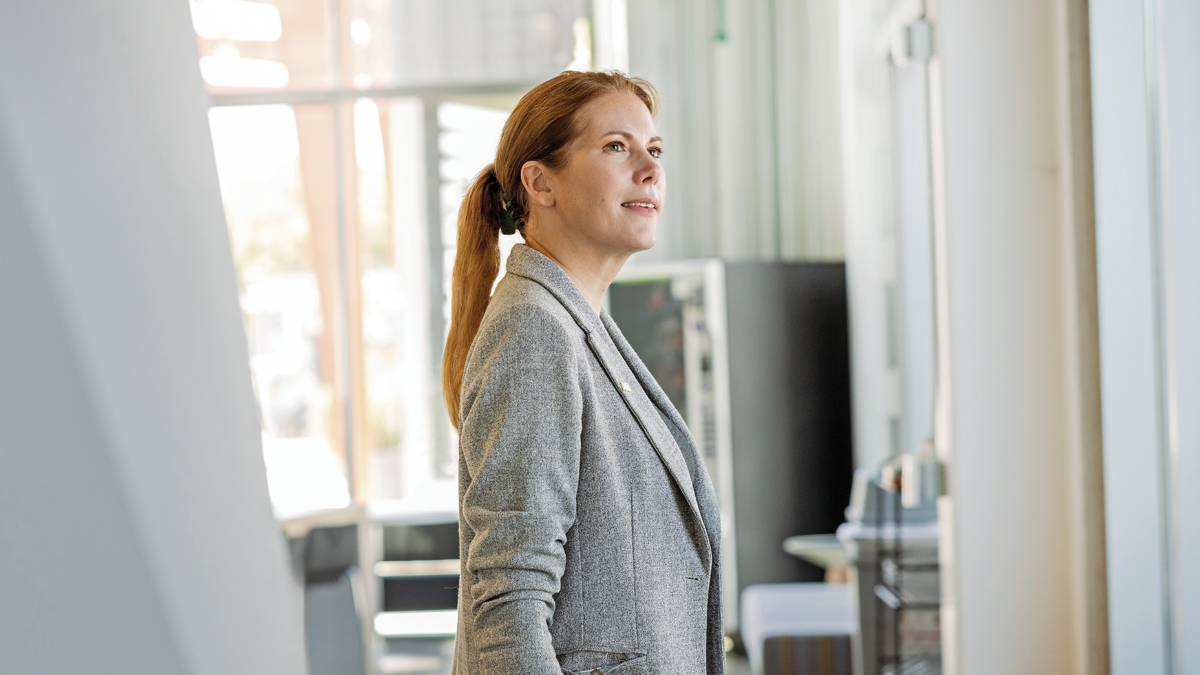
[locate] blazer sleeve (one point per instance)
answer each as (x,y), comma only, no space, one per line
(521,425)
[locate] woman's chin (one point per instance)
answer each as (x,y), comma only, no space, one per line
(631,239)
(644,238)
(642,243)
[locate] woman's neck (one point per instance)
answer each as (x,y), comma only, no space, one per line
(591,272)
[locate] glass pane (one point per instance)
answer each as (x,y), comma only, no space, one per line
(467,143)
(396,369)
(263,46)
(409,42)
(270,161)
(402,402)
(408,442)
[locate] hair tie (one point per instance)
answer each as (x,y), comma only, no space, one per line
(508,224)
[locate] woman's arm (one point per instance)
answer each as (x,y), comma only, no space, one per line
(521,425)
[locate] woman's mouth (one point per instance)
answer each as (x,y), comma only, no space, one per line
(645,208)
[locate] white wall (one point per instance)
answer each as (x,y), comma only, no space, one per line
(869,165)
(136,534)
(1126,285)
(1181,35)
(751,125)
(1146,92)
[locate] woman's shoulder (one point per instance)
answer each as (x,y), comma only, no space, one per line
(525,317)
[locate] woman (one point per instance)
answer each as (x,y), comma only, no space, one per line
(589,527)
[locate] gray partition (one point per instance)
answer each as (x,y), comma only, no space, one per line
(790,394)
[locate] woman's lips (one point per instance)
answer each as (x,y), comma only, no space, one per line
(646,208)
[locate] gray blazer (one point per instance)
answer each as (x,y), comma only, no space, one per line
(590,535)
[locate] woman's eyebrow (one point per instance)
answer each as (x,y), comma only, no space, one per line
(626,134)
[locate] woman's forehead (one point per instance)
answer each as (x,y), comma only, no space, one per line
(617,114)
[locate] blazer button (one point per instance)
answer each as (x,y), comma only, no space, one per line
(597,671)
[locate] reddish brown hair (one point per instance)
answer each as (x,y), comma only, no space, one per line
(541,128)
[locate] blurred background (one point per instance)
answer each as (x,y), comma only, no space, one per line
(921,291)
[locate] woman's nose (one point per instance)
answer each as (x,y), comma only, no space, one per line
(651,170)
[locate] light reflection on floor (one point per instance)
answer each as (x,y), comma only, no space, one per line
(434,656)
(417,656)
(736,664)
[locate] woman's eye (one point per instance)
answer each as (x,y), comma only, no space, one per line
(656,152)
(615,145)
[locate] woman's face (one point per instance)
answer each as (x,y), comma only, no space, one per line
(610,193)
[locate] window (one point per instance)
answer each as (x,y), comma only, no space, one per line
(346,132)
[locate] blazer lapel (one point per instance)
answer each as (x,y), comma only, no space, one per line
(642,408)
(528,263)
(656,396)
(649,384)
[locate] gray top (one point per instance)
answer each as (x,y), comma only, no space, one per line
(590,535)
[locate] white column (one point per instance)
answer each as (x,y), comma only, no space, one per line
(1004,306)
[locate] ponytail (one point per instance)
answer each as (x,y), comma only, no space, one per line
(540,128)
(476,264)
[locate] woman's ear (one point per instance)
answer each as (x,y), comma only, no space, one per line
(537,181)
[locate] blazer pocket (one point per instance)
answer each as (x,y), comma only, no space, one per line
(603,663)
